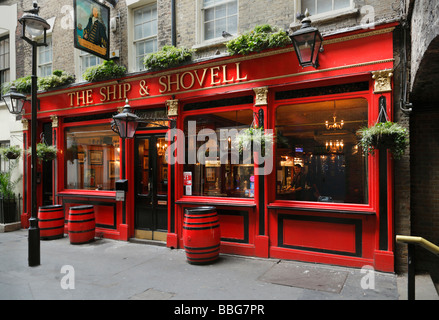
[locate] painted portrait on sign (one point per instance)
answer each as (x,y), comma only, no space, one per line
(92,21)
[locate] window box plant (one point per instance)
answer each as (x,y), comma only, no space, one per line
(105,71)
(384,135)
(11,152)
(260,38)
(168,57)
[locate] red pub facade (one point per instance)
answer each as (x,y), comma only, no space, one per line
(341,214)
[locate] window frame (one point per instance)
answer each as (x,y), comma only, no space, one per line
(49,41)
(371,174)
(201,22)
(209,111)
(325,15)
(145,39)
(6,72)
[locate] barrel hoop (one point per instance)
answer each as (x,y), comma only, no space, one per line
(81,214)
(206,252)
(42,210)
(78,221)
(81,207)
(52,228)
(81,231)
(203,248)
(203,259)
(205,228)
(202,210)
(200,216)
(47,220)
(200,223)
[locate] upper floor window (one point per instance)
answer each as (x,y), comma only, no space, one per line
(145,33)
(4,61)
(322,6)
(87,60)
(45,55)
(219,16)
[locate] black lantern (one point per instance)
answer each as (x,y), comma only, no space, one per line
(33,23)
(126,122)
(307,43)
(14,100)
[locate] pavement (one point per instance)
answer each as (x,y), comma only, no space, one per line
(117,270)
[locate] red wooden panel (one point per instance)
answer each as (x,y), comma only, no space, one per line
(319,235)
(232,226)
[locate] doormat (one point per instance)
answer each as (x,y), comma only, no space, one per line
(306,277)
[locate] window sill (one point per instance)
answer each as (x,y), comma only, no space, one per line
(338,208)
(329,16)
(230,202)
(209,44)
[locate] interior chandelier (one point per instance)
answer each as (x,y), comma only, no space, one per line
(335,125)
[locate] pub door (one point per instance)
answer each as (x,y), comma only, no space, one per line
(151,176)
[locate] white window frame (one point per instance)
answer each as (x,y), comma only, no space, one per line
(328,15)
(145,39)
(49,41)
(200,25)
(132,6)
(79,63)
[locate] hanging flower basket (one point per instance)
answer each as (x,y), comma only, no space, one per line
(12,152)
(253,137)
(45,152)
(384,136)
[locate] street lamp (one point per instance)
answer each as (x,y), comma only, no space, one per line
(35,27)
(126,122)
(307,43)
(14,100)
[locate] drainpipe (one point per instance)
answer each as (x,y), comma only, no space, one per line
(173,24)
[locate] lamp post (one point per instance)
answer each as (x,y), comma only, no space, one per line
(307,43)
(35,27)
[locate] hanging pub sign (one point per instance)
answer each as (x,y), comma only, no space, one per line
(92,20)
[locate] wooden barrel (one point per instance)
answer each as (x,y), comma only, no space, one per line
(201,235)
(51,222)
(81,224)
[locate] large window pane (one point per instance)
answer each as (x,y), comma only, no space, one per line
(213,176)
(92,157)
(219,16)
(145,33)
(332,167)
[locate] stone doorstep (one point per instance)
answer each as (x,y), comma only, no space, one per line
(425,289)
(8,227)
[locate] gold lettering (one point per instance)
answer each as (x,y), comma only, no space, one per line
(103,94)
(126,88)
(238,73)
(225,75)
(201,81)
(79,97)
(214,75)
(165,86)
(89,96)
(177,82)
(111,92)
(182,80)
(71,95)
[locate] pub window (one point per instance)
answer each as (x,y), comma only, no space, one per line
(322,6)
(317,152)
(4,61)
(145,33)
(225,177)
(92,157)
(219,16)
(45,55)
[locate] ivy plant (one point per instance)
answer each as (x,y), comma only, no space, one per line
(57,79)
(262,37)
(384,135)
(105,71)
(167,57)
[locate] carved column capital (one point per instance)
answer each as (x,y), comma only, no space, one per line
(261,96)
(172,108)
(383,81)
(25,123)
(54,121)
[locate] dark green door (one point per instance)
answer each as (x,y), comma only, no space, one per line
(151,174)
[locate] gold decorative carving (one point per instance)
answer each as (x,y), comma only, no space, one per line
(25,123)
(383,82)
(172,108)
(261,96)
(54,121)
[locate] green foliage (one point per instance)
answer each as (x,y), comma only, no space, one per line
(251,137)
(7,185)
(384,135)
(12,152)
(168,57)
(260,38)
(107,70)
(56,79)
(45,152)
(23,85)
